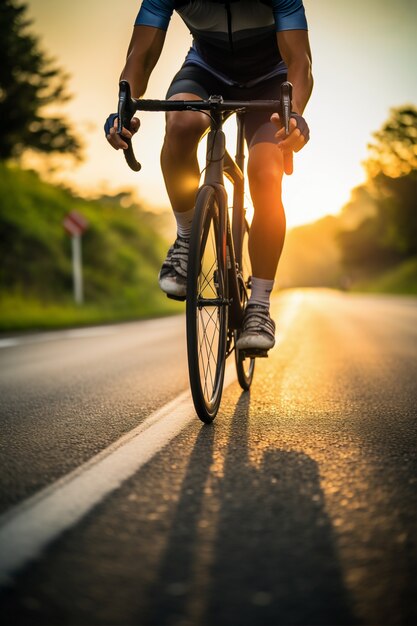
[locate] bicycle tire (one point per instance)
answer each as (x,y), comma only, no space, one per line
(245,366)
(207,304)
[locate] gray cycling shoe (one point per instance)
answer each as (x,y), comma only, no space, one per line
(173,275)
(258,330)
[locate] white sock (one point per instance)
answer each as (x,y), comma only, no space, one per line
(261,291)
(184,222)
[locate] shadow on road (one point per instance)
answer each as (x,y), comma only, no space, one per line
(273,557)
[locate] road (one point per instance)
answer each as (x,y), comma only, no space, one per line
(297,506)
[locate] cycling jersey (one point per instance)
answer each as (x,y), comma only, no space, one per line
(233,39)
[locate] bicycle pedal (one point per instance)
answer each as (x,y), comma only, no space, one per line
(255,354)
(177,298)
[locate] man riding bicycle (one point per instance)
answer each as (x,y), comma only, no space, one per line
(243,50)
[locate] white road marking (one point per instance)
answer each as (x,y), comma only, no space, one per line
(28,528)
(100,331)
(91,331)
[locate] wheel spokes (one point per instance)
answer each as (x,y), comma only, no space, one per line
(208,318)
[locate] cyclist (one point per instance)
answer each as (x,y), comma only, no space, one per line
(243,50)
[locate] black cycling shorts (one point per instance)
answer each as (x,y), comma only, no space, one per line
(200,82)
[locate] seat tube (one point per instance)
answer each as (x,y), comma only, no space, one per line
(240,142)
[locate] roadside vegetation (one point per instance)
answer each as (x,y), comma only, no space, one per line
(372,244)
(380,251)
(122,253)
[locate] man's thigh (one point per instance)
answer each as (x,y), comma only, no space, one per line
(195,80)
(190,83)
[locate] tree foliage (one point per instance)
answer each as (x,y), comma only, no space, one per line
(30,83)
(388,235)
(394,151)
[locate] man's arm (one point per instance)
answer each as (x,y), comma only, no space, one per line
(295,50)
(143,53)
(294,47)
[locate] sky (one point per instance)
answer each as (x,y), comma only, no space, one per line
(364,55)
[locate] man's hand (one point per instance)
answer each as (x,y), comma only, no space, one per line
(298,137)
(111,132)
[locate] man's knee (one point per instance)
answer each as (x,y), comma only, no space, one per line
(266,177)
(183,131)
(265,167)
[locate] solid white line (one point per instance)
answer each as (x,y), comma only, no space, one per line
(101,331)
(29,527)
(90,331)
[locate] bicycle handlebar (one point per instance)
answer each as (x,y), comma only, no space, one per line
(127,107)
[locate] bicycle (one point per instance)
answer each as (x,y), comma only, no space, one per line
(219,271)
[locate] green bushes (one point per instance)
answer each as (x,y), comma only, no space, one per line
(122,253)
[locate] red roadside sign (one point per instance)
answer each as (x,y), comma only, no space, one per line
(75,224)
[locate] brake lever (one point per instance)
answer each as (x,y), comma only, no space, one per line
(125,112)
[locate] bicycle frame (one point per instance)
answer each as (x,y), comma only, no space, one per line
(218,163)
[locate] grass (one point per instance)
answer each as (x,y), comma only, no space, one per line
(22,314)
(401,280)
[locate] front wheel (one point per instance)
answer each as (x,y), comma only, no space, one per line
(207,305)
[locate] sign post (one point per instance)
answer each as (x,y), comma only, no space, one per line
(77,269)
(75,225)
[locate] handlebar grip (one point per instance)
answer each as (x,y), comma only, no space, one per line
(286,105)
(125,113)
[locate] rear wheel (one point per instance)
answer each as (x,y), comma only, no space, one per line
(207,305)
(245,366)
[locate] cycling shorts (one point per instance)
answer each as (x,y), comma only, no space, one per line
(202,83)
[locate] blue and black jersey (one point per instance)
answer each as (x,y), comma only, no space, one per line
(234,39)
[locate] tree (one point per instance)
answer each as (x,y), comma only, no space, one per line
(30,82)
(389,235)
(392,167)
(397,206)
(394,151)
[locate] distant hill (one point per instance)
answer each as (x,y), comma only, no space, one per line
(122,254)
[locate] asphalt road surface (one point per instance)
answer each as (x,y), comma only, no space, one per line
(297,506)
